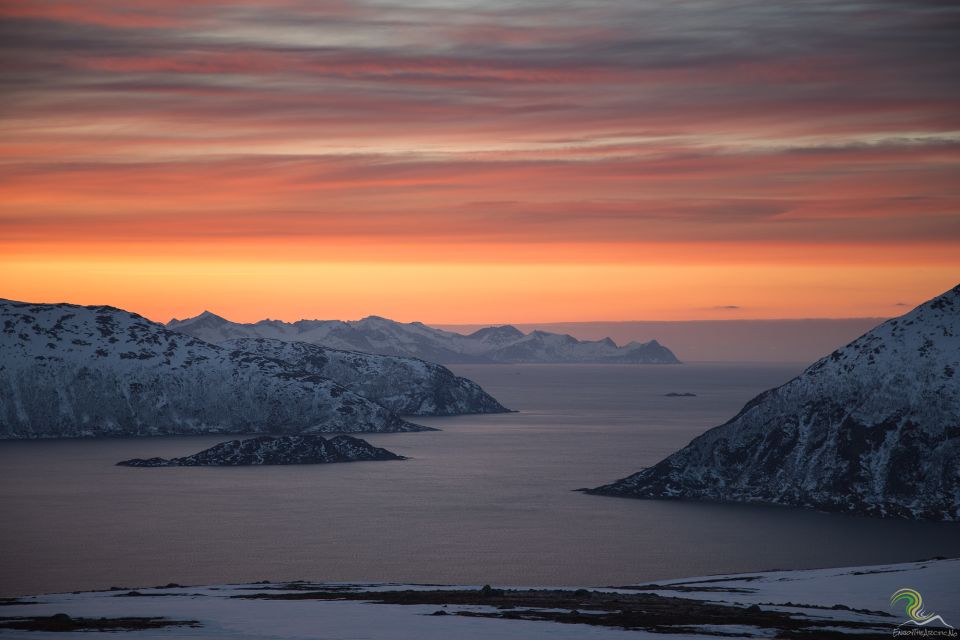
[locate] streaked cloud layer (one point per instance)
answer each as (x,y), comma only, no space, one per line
(774,142)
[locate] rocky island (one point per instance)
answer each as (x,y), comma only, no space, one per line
(269,450)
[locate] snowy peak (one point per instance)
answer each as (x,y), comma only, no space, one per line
(872,428)
(205,319)
(497,335)
(378,335)
(926,337)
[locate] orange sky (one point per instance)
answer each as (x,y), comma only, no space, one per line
(488,164)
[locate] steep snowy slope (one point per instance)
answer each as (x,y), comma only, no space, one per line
(872,428)
(68,370)
(406,386)
(415,339)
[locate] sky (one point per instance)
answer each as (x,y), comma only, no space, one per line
(471,162)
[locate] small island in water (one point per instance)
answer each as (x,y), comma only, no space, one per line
(271,450)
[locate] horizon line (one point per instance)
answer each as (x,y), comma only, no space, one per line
(480,324)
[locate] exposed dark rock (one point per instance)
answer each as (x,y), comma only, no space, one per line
(62,622)
(646,611)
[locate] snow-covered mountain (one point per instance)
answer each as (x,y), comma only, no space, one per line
(68,371)
(265,450)
(378,335)
(873,428)
(407,386)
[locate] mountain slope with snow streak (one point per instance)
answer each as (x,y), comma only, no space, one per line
(873,428)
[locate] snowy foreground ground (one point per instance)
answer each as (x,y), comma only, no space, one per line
(790,604)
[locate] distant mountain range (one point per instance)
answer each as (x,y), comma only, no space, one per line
(72,371)
(873,428)
(503,344)
(802,340)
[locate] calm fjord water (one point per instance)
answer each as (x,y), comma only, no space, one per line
(486,500)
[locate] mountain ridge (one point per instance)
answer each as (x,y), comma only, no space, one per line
(382,336)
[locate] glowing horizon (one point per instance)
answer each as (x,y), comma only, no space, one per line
(490,164)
